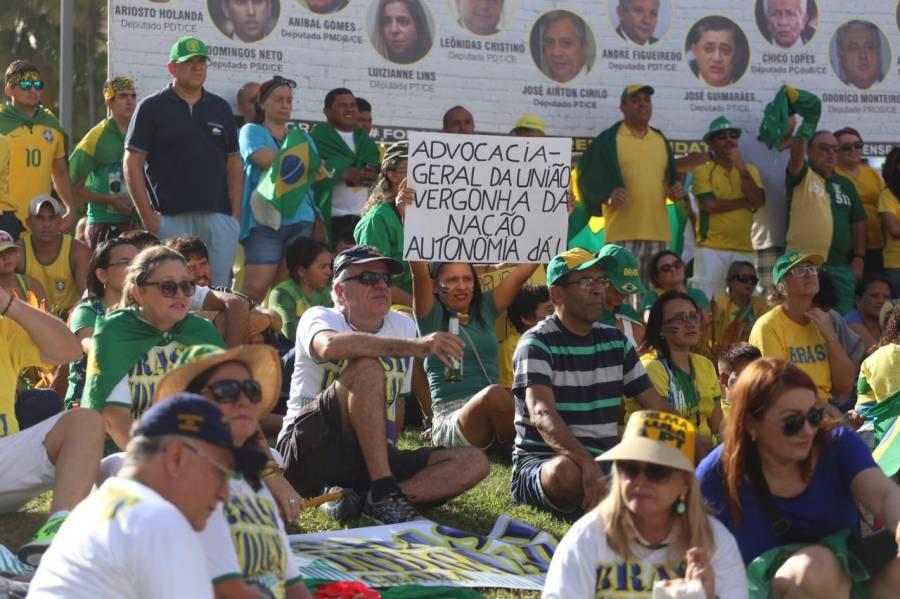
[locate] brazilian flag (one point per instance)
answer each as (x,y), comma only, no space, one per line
(284,186)
(887,433)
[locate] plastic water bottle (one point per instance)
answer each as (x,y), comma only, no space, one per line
(454,372)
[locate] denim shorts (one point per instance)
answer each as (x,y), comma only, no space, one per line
(526,483)
(268,246)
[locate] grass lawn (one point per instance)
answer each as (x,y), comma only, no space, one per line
(474,511)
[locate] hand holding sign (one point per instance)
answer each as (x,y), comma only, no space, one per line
(405,196)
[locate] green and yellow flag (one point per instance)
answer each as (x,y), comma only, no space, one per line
(887,433)
(286,184)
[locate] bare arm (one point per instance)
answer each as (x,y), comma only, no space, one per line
(423,293)
(81,256)
(331,346)
(52,337)
(38,290)
(235,184)
(687,163)
(542,409)
(755,197)
(63,186)
(843,371)
(264,157)
(509,288)
(118,424)
(891,224)
(133,167)
(650,400)
(798,156)
(858,233)
(398,296)
(879,495)
(237,316)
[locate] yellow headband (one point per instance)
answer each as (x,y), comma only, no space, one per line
(114,86)
(16,78)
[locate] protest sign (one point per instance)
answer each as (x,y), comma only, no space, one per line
(513,555)
(486,199)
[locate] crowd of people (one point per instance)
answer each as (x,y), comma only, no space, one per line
(186,359)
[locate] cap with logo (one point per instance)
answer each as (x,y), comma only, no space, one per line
(574,260)
(364,254)
(187,48)
(34,206)
(720,124)
(656,438)
(626,276)
(636,88)
(791,259)
(6,241)
(192,415)
(531,121)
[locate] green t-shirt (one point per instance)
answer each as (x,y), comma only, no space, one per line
(380,227)
(651,296)
(609,316)
(97,160)
(83,316)
(290,302)
(485,341)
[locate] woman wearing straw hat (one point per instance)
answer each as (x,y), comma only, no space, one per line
(244,540)
(651,526)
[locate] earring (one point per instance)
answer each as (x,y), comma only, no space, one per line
(680,507)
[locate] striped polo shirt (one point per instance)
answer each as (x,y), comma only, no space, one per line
(589,375)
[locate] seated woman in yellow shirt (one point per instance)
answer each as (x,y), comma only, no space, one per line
(735,311)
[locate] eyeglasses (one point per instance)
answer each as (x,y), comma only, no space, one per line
(123,263)
(730,134)
(370,279)
(831,148)
(676,265)
(589,282)
(793,424)
(27,84)
(654,473)
(854,146)
(229,390)
(170,288)
(691,317)
(746,279)
(225,473)
(804,271)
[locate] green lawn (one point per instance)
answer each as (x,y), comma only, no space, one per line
(474,511)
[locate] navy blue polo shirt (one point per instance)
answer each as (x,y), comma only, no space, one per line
(187,148)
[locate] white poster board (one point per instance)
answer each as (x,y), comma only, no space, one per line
(486,199)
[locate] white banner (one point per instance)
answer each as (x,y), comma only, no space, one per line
(486,199)
(565,61)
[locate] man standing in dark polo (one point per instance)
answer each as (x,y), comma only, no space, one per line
(182,162)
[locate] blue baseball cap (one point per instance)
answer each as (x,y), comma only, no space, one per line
(192,415)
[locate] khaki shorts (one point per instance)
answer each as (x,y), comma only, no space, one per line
(27,471)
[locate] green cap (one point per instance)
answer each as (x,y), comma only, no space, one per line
(720,124)
(186,48)
(626,275)
(574,260)
(395,153)
(791,259)
(636,88)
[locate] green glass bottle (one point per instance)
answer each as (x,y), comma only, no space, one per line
(454,372)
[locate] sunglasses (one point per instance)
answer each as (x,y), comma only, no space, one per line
(793,424)
(27,84)
(746,279)
(854,146)
(279,80)
(804,271)
(676,265)
(654,473)
(229,390)
(730,134)
(370,279)
(690,318)
(589,282)
(170,288)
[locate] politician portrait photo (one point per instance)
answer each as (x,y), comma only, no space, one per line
(244,20)
(717,51)
(480,17)
(787,24)
(640,22)
(401,30)
(324,7)
(860,54)
(562,45)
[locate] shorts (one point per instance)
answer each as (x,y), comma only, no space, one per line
(319,452)
(10,223)
(27,471)
(445,430)
(97,233)
(268,246)
(526,483)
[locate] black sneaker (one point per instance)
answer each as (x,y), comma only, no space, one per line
(393,508)
(348,507)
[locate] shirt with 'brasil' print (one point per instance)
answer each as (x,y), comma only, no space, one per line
(589,375)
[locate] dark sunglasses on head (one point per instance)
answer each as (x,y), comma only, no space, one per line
(654,473)
(747,279)
(730,134)
(793,424)
(371,279)
(170,288)
(229,390)
(27,84)
(854,146)
(279,80)
(676,265)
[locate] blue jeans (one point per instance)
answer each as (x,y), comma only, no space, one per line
(893,275)
(268,246)
(218,231)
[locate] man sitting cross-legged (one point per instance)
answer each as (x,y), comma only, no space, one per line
(570,375)
(353,363)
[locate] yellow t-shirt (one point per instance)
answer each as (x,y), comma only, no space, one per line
(879,375)
(643,162)
(887,203)
(6,201)
(777,336)
(505,358)
(32,153)
(705,383)
(810,219)
(17,352)
(723,230)
(725,312)
(57,277)
(869,185)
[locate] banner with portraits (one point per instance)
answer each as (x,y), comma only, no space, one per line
(565,61)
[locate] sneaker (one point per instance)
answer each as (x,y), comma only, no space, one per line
(348,507)
(393,508)
(31,552)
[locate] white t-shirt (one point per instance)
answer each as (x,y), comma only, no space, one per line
(770,221)
(123,541)
(346,200)
(245,538)
(136,390)
(311,377)
(584,566)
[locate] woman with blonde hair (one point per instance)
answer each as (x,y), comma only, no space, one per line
(651,527)
(401,32)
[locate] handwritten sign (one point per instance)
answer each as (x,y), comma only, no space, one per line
(486,199)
